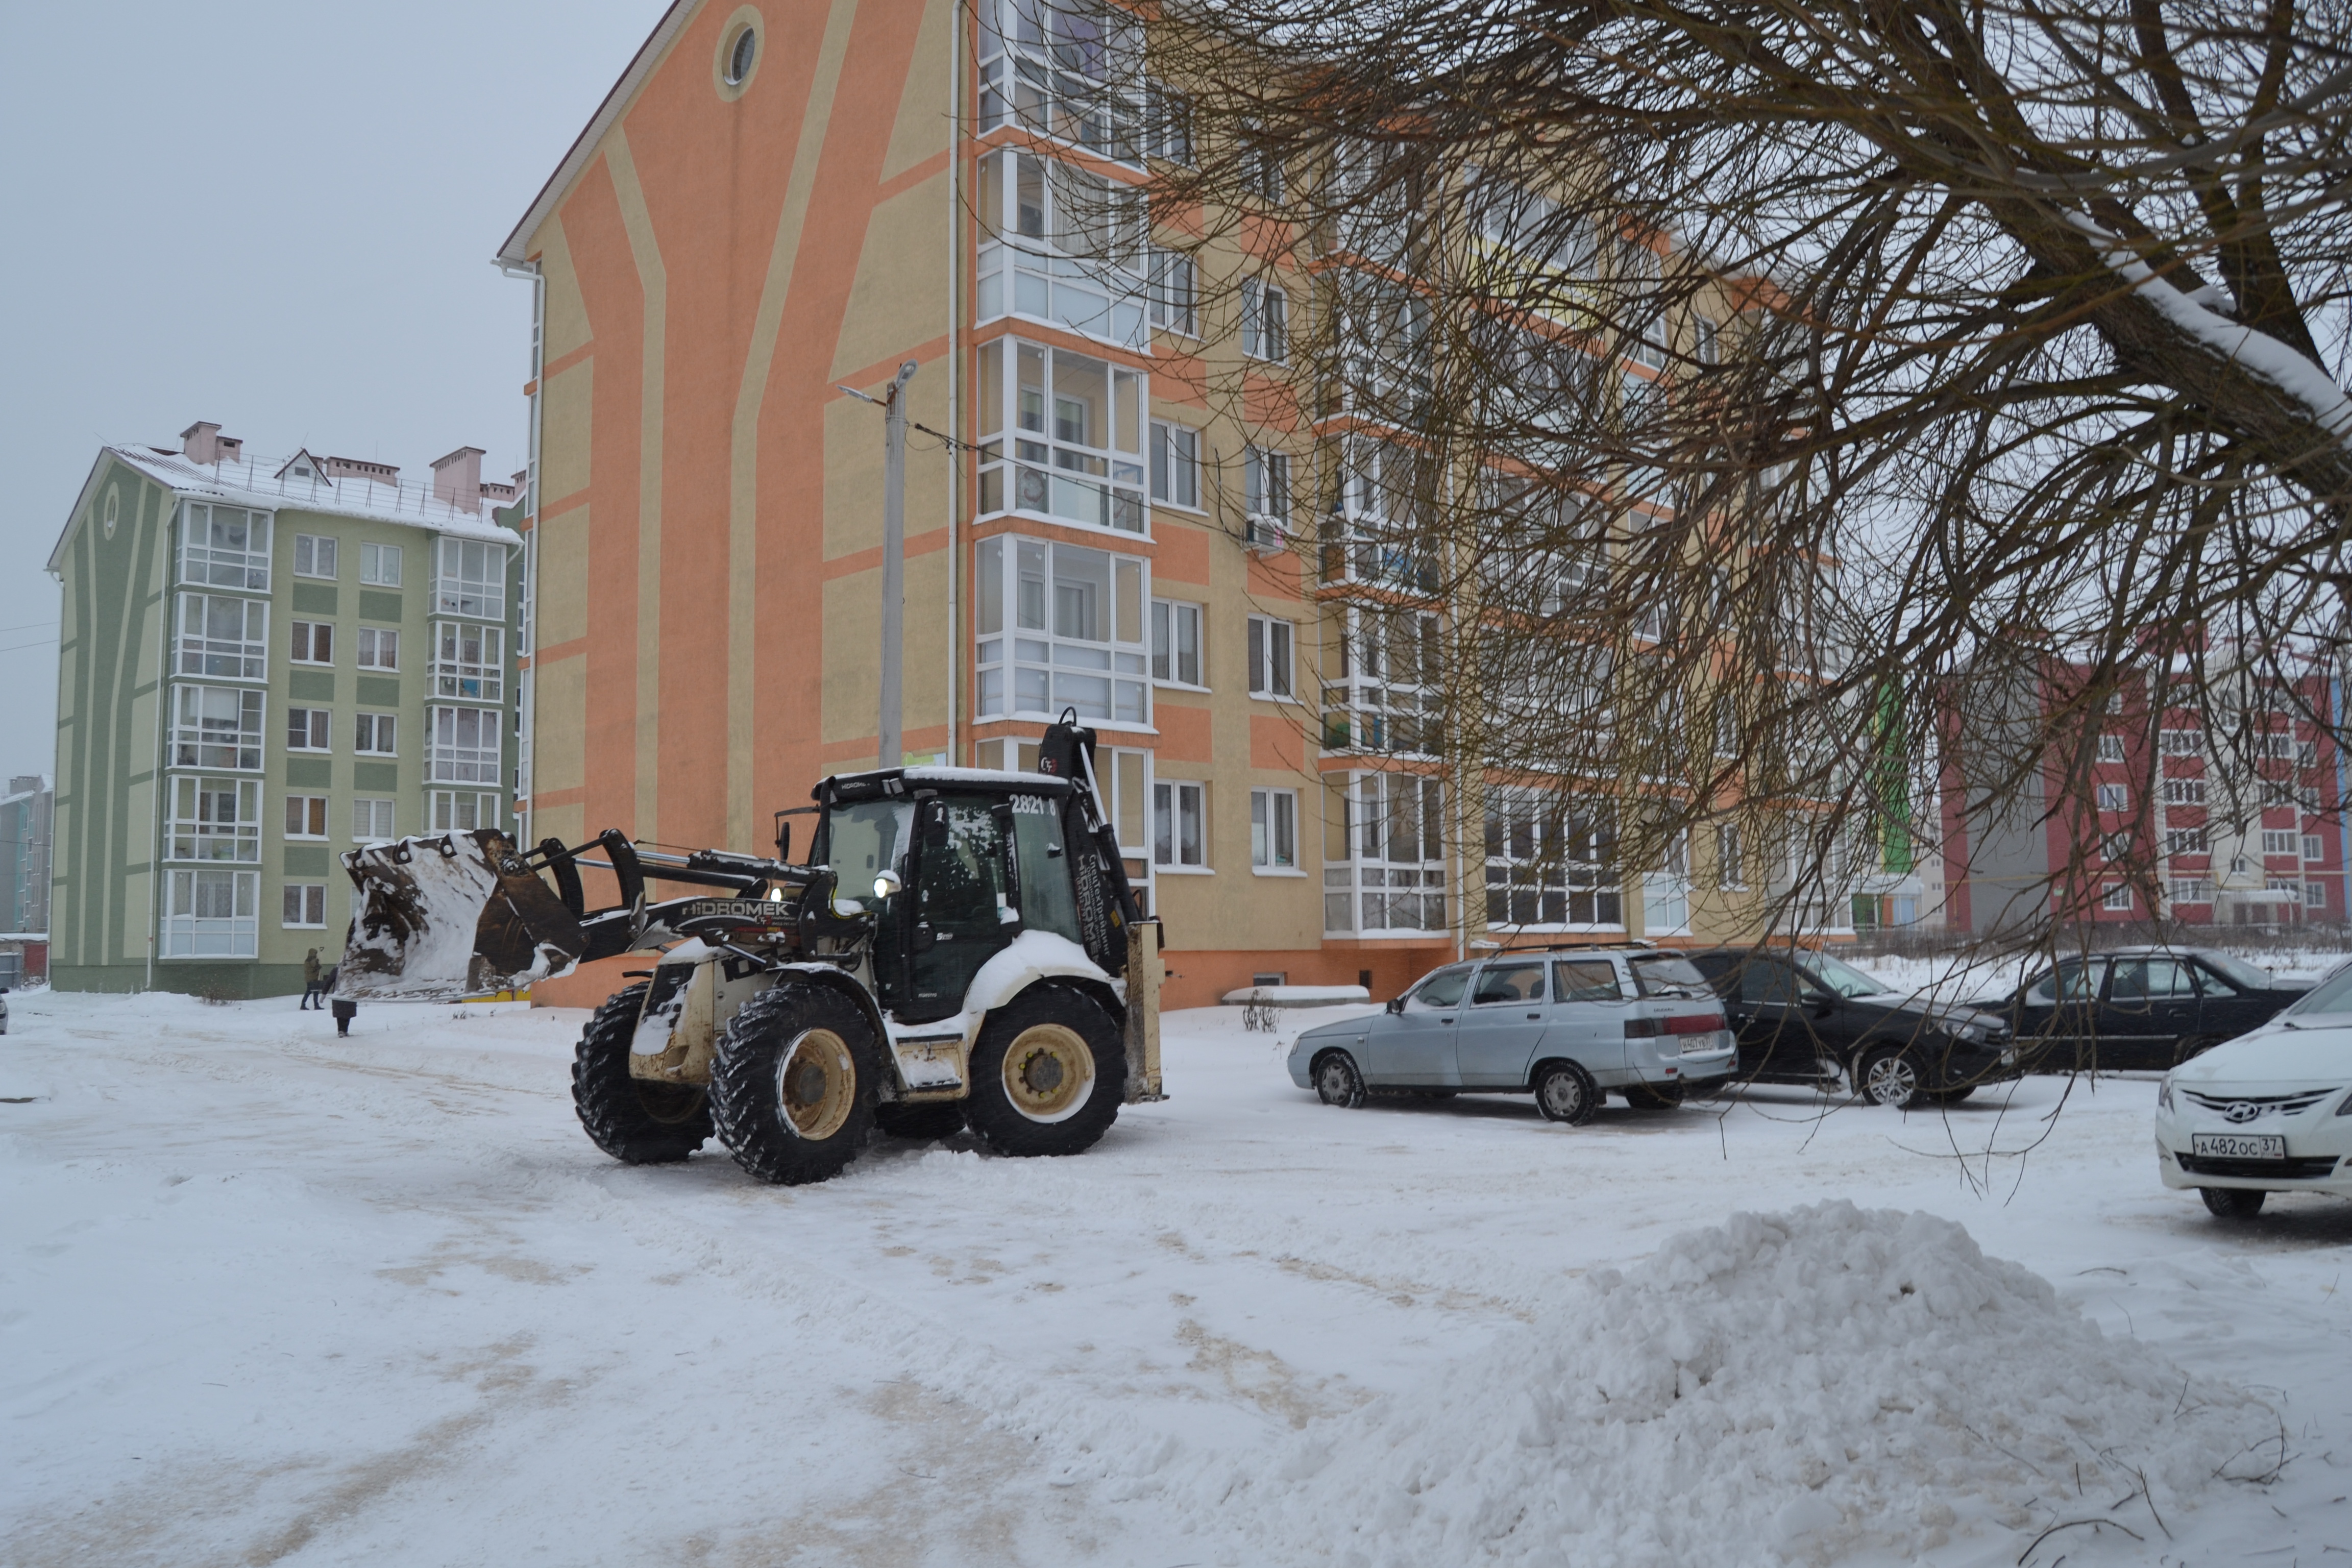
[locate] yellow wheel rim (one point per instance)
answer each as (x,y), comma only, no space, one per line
(1049,1072)
(817,1083)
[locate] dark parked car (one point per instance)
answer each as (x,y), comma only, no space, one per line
(2139,1007)
(1807,1017)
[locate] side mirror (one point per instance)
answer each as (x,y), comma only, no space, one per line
(783,841)
(1396,1005)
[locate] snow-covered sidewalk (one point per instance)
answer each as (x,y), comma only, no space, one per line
(273,1298)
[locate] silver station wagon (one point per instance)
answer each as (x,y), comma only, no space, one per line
(1566,1026)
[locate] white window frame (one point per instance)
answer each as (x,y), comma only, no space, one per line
(218,742)
(1071,70)
(2282,841)
(2116,897)
(2184,791)
(1031,657)
(464,746)
(1730,859)
(317,729)
(2315,895)
(315,556)
(1176,805)
(1167,124)
(469,662)
(224,547)
(1175,292)
(245,657)
(461,810)
(302,906)
(1036,460)
(2186,841)
(2111,748)
(2115,797)
(216,820)
(1265,320)
(378,647)
(1370,704)
(1176,633)
(1061,245)
(2189,891)
(2314,846)
(375,735)
(302,646)
(469,578)
(186,933)
(380,813)
(300,810)
(1273,659)
(380,566)
(1369,537)
(1175,466)
(1266,496)
(1274,833)
(2181,743)
(1393,880)
(1551,858)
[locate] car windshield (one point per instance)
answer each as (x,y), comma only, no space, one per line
(2239,973)
(1668,974)
(2333,994)
(1843,978)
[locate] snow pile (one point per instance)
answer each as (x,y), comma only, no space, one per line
(1781,1387)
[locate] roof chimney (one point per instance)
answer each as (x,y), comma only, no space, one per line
(201,442)
(457,478)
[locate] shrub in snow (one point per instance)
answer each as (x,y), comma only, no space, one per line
(1780,1387)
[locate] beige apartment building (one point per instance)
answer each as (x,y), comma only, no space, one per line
(782,200)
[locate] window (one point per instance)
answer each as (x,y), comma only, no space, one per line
(1072,448)
(2279,746)
(375,735)
(306,816)
(1265,489)
(1274,829)
(471,579)
(1176,465)
(214,819)
(215,727)
(1270,658)
(2117,897)
(1375,535)
(2315,895)
(2184,791)
(2283,792)
(314,556)
(1730,872)
(1176,642)
(466,661)
(224,637)
(314,643)
(740,57)
(2306,754)
(2111,748)
(1068,69)
(457,811)
(1265,320)
(379,647)
(210,914)
(372,821)
(2115,797)
(1179,825)
(2189,891)
(2278,842)
(1586,980)
(1078,633)
(1530,225)
(306,728)
(1384,695)
(1384,854)
(1550,861)
(2115,846)
(2314,847)
(1703,343)
(2181,743)
(306,904)
(1175,293)
(380,566)
(224,547)
(461,745)
(1062,244)
(1167,123)
(2184,841)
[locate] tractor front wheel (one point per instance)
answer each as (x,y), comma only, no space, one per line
(1047,1074)
(638,1121)
(793,1083)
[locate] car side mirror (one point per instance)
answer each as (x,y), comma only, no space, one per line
(1396,1005)
(1820,1006)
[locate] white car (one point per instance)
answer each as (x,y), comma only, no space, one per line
(4,1009)
(2270,1111)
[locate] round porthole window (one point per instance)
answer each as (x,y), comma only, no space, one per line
(740,57)
(113,504)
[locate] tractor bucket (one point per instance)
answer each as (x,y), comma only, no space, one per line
(449,916)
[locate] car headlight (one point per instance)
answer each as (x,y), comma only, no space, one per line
(2164,1094)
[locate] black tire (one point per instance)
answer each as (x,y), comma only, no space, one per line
(1047,1074)
(1888,1076)
(1642,1097)
(2233,1203)
(2190,1046)
(1337,1081)
(637,1120)
(1565,1092)
(793,1082)
(932,1119)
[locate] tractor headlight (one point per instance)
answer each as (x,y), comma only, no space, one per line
(886,884)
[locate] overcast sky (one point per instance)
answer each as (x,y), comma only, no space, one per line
(277,216)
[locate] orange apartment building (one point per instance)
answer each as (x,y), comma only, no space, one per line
(777,201)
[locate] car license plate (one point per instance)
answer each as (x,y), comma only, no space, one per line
(2238,1145)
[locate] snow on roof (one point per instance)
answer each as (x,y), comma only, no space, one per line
(264,484)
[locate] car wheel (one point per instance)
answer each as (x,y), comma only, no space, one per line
(2190,1046)
(1565,1092)
(2232,1202)
(1886,1076)
(1337,1081)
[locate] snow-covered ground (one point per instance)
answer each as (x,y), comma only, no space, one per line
(267,1297)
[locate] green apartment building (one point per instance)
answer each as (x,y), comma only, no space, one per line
(262,664)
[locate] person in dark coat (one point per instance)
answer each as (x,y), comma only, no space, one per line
(345,1011)
(311,989)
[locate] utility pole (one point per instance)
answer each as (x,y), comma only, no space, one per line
(894,562)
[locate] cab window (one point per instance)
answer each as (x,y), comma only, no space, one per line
(2075,980)
(2149,980)
(1587,980)
(1443,989)
(1764,982)
(1511,983)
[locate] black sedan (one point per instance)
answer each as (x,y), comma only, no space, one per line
(2139,1007)
(1807,1017)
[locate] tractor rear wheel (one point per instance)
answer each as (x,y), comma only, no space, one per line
(1047,1075)
(638,1121)
(793,1083)
(932,1119)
